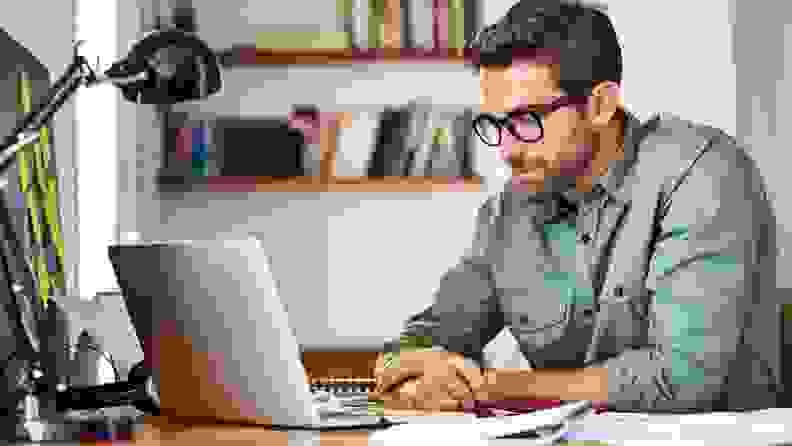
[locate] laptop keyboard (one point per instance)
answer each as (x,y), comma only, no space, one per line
(342,388)
(340,399)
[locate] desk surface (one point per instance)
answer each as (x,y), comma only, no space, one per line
(761,428)
(162,432)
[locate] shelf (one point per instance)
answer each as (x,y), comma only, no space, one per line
(169,183)
(252,56)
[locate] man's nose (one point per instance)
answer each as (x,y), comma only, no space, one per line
(514,151)
(509,148)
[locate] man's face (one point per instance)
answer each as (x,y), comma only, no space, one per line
(564,152)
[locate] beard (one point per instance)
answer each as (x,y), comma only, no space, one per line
(536,174)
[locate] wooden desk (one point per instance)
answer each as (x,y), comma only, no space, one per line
(160,431)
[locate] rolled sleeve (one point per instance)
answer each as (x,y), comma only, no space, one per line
(465,314)
(701,275)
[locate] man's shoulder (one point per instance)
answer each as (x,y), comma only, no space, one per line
(672,146)
(670,131)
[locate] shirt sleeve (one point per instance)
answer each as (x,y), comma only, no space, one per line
(466,313)
(701,273)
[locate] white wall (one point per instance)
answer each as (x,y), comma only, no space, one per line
(677,57)
(97,148)
(764,84)
(763,35)
(352,266)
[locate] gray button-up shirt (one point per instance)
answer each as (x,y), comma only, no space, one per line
(658,276)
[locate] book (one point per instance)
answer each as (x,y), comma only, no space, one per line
(472,18)
(200,149)
(456,23)
(406,30)
(376,12)
(347,19)
(423,148)
(178,140)
(390,154)
(391,24)
(462,131)
(440,24)
(419,120)
(420,24)
(360,18)
(291,40)
(312,159)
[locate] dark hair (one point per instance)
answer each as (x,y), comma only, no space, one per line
(577,38)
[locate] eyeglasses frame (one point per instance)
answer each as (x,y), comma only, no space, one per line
(538,112)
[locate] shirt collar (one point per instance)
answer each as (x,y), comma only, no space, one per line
(610,183)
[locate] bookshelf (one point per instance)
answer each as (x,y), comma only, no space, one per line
(395,34)
(171,180)
(174,183)
(250,56)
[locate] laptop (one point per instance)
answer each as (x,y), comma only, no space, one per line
(217,336)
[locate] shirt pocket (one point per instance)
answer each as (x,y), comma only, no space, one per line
(537,317)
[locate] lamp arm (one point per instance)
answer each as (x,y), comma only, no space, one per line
(27,131)
(79,73)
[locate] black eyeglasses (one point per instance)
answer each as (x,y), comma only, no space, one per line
(525,123)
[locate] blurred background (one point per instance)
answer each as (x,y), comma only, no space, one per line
(352,265)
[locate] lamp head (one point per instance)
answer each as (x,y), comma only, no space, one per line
(178,67)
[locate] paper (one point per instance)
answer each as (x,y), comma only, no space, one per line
(764,427)
(495,427)
(549,425)
(450,432)
(423,433)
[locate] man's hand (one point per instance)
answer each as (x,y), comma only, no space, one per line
(426,380)
(417,394)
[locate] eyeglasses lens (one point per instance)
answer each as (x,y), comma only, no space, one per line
(488,131)
(526,127)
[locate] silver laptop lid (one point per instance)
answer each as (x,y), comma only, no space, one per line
(214,330)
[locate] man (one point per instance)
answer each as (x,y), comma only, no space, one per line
(626,258)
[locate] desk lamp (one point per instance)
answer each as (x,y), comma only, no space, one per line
(165,67)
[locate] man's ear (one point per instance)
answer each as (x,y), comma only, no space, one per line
(604,102)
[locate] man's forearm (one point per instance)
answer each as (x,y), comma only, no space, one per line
(545,384)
